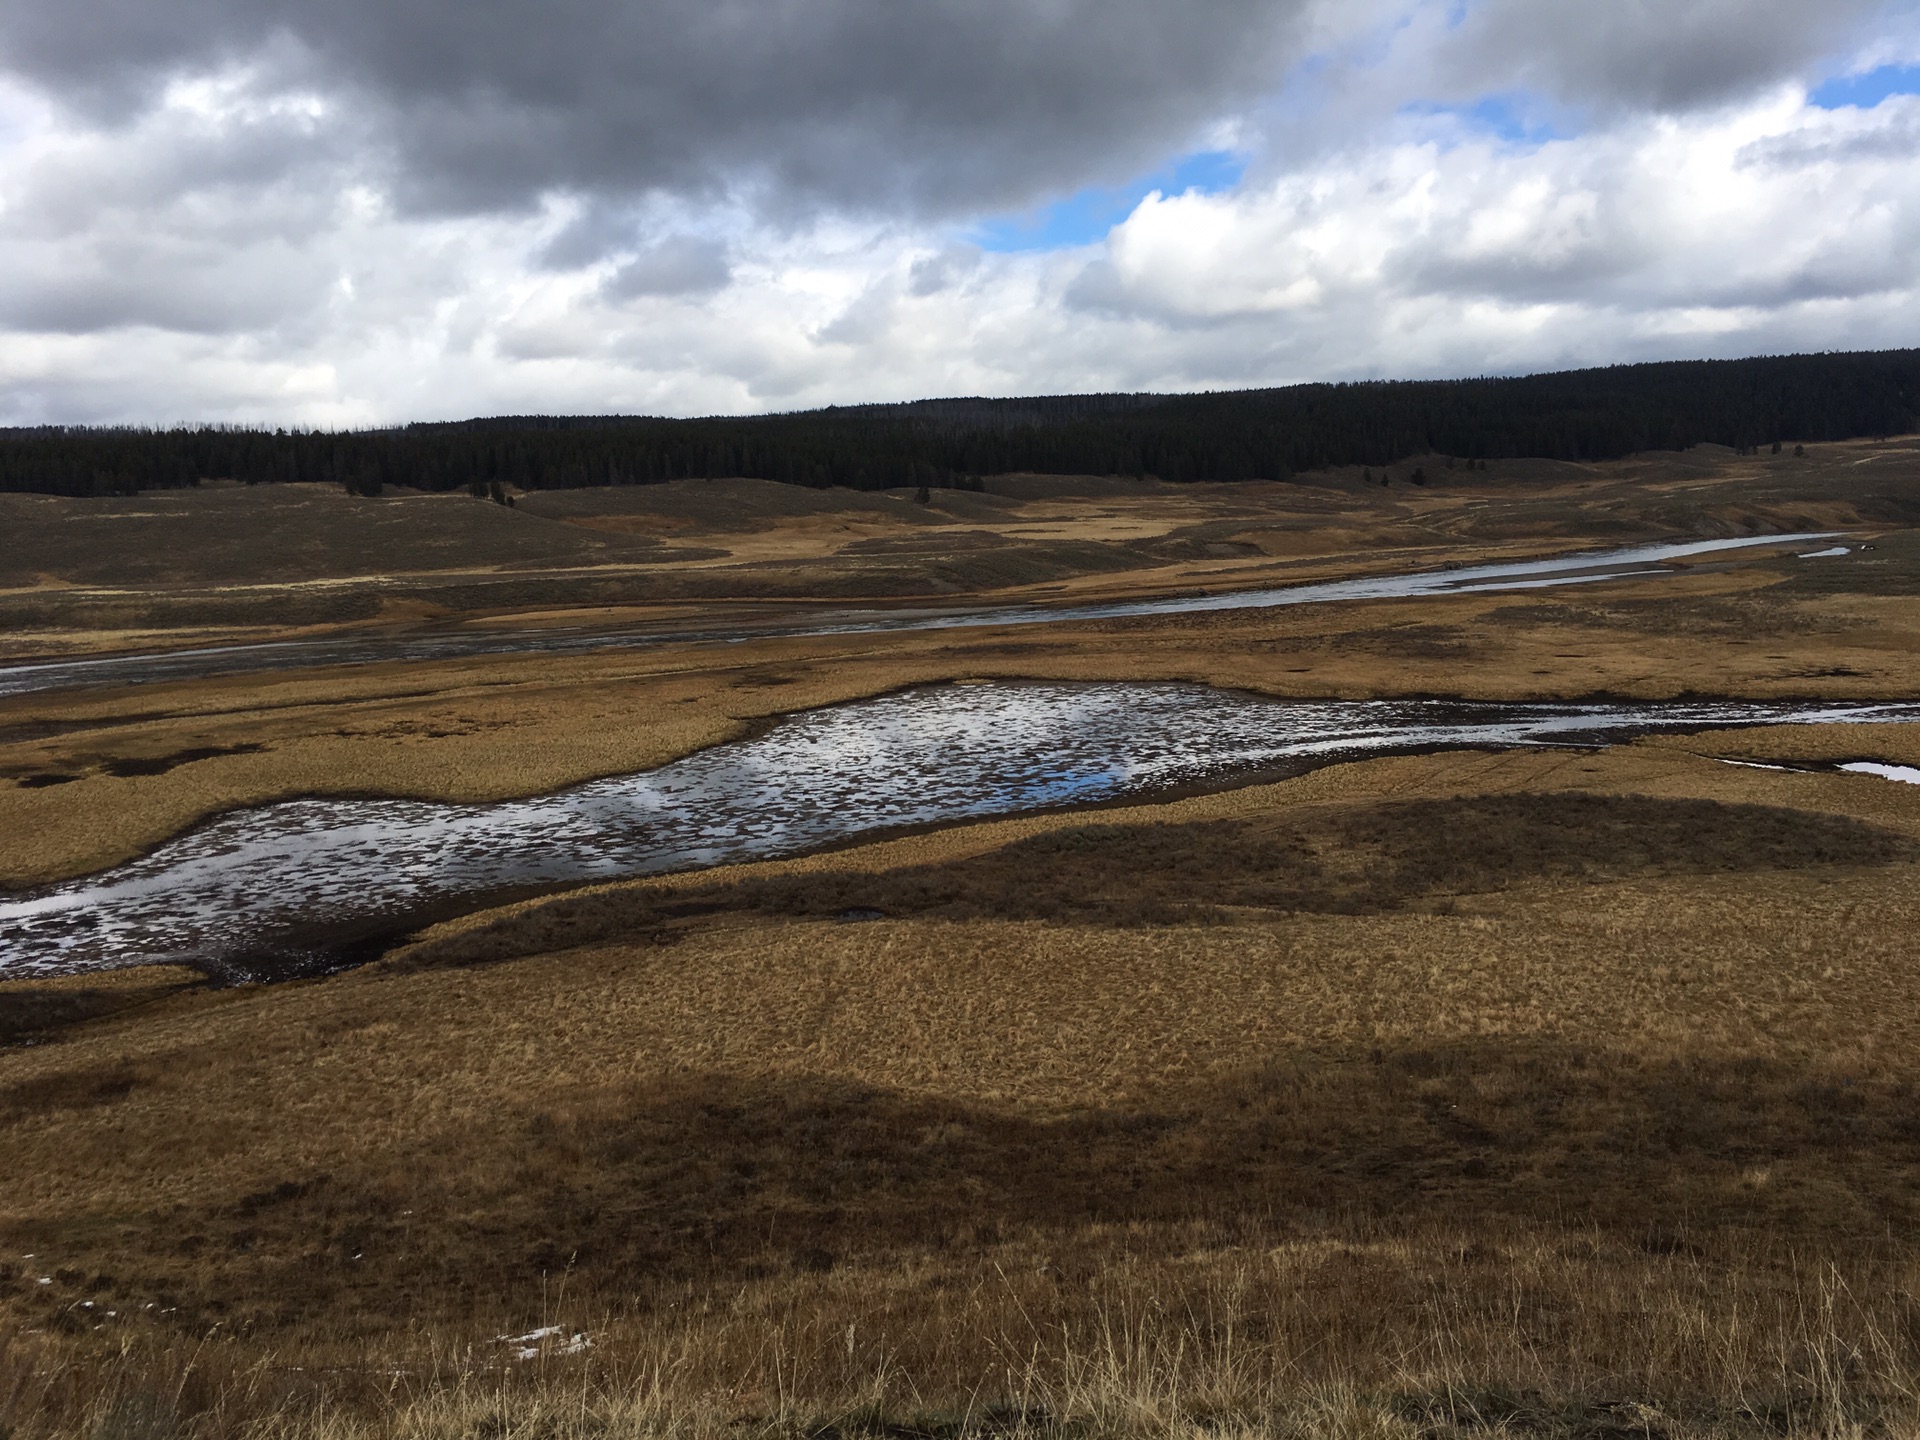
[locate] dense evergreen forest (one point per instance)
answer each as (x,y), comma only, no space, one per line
(1236,435)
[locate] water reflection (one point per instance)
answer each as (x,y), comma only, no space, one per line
(280,880)
(1905,774)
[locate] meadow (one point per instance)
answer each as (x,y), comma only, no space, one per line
(1545,1093)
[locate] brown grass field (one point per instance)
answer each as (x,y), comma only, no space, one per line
(100,775)
(1569,1093)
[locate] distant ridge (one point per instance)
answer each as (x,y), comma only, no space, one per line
(1598,414)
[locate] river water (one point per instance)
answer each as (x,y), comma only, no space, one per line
(297,886)
(1585,567)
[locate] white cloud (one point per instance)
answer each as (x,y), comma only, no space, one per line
(233,251)
(1791,227)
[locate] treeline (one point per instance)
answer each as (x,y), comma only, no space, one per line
(1237,435)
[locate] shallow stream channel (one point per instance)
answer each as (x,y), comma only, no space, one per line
(306,886)
(1579,568)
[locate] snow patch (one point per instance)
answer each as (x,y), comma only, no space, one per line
(547,1341)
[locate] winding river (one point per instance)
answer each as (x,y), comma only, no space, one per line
(307,885)
(1580,568)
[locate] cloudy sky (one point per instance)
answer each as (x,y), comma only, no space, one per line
(351,212)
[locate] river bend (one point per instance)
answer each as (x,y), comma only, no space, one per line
(294,885)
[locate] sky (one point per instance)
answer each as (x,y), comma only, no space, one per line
(343,213)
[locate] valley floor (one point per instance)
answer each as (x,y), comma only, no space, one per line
(1549,1093)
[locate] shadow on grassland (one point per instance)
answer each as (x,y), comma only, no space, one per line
(1355,861)
(635,1193)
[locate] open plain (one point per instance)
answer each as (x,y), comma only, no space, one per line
(1563,1091)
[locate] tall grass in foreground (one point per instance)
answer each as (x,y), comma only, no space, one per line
(1547,1332)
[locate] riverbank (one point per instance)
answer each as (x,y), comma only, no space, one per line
(100,776)
(286,891)
(91,778)
(1560,1093)
(231,564)
(1614,1116)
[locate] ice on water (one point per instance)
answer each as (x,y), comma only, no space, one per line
(265,881)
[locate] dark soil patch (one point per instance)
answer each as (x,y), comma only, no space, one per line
(129,766)
(1400,642)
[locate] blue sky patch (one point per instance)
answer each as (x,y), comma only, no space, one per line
(1516,118)
(1868,90)
(1087,215)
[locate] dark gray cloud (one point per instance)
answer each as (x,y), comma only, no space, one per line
(684,208)
(1837,145)
(1643,54)
(933,106)
(676,265)
(593,234)
(931,274)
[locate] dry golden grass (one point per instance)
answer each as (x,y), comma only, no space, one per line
(1543,1093)
(493,728)
(230,559)
(98,776)
(1580,1158)
(1391,1336)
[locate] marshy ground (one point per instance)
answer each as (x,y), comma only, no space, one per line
(1542,1093)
